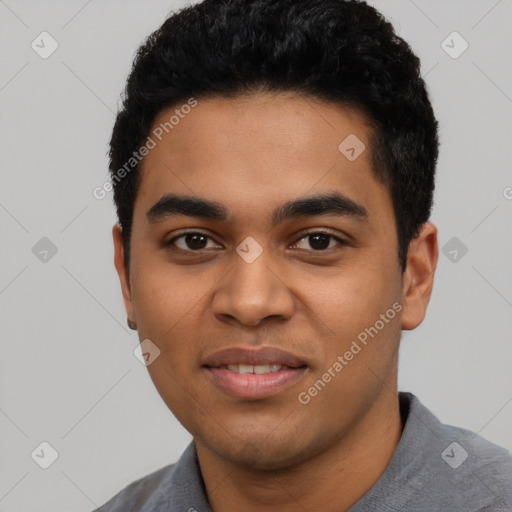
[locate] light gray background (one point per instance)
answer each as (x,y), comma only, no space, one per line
(68,375)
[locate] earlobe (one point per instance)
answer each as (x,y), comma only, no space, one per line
(122,271)
(419,276)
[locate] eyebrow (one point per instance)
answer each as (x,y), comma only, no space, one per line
(171,205)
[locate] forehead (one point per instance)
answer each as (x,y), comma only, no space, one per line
(256,123)
(259,150)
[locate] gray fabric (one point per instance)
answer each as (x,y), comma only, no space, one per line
(426,474)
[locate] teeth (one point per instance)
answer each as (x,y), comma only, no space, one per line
(258,369)
(261,368)
(246,368)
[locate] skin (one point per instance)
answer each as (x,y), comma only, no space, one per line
(252,154)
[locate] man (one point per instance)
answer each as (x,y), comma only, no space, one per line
(273,170)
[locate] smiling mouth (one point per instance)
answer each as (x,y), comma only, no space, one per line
(252,374)
(257,369)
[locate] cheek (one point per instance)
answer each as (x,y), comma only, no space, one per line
(170,321)
(169,313)
(164,299)
(176,386)
(352,300)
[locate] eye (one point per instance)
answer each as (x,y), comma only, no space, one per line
(319,241)
(193,241)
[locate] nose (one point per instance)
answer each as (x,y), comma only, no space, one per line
(253,292)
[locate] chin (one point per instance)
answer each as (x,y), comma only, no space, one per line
(261,453)
(266,458)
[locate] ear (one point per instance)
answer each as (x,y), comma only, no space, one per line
(122,271)
(419,276)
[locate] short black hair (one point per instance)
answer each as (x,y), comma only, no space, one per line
(339,51)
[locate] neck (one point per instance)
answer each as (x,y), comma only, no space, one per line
(332,480)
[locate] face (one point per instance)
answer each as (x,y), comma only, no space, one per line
(305,296)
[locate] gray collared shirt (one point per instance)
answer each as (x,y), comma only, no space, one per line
(435,468)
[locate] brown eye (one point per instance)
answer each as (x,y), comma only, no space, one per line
(193,241)
(319,241)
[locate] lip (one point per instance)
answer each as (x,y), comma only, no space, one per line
(263,355)
(252,386)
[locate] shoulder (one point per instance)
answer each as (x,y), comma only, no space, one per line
(140,493)
(465,468)
(490,464)
(173,487)
(463,445)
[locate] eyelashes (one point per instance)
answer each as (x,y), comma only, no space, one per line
(325,235)
(198,237)
(172,241)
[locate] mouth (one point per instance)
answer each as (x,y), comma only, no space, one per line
(258,369)
(254,374)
